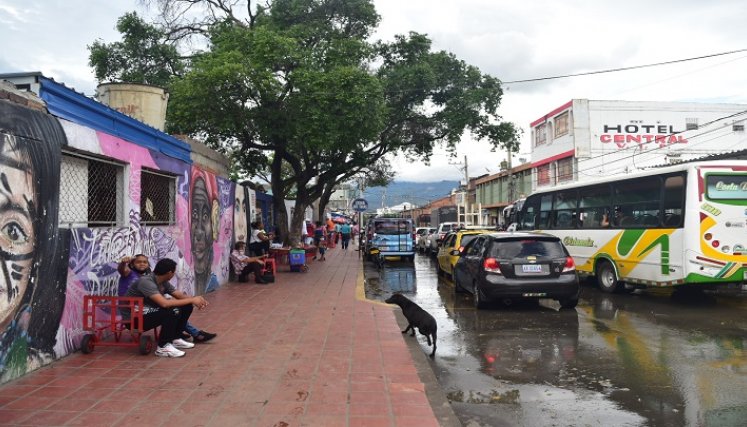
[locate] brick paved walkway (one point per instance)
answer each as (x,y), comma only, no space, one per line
(302,351)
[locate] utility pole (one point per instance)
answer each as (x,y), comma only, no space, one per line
(511,184)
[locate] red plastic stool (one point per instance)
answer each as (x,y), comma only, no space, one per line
(270,266)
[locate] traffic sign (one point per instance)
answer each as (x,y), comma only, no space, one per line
(360,205)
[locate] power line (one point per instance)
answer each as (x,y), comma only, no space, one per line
(614,70)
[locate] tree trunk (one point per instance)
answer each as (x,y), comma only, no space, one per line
(278,198)
(297,223)
(324,200)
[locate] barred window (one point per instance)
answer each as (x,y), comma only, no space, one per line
(157,198)
(565,169)
(540,135)
(543,174)
(91,192)
(561,124)
(691,123)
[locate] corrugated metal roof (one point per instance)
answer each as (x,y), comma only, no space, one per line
(68,104)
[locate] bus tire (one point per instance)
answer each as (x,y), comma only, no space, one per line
(607,278)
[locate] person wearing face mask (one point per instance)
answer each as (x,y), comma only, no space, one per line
(131,269)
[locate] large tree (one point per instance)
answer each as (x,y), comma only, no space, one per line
(296,87)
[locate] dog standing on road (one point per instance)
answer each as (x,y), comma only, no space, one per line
(416,318)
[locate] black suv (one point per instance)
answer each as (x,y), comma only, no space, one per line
(517,266)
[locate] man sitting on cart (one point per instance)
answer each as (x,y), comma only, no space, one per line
(170,314)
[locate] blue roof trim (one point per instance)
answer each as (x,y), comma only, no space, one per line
(70,105)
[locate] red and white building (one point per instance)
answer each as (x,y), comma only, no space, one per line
(586,139)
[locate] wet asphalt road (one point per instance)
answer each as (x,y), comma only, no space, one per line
(617,360)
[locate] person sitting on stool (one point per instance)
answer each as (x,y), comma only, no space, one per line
(243,264)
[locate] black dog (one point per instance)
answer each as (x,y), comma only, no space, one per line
(416,318)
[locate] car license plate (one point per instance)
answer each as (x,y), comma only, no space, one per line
(534,294)
(531,268)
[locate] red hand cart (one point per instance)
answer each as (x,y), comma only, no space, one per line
(102,316)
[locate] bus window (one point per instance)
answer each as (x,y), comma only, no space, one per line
(545,212)
(529,213)
(637,203)
(594,207)
(565,209)
(674,198)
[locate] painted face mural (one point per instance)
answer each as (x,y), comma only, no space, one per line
(203,227)
(239,215)
(30,308)
(17,235)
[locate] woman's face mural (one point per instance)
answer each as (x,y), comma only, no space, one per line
(239,215)
(201,230)
(17,234)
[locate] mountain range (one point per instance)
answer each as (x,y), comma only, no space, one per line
(416,193)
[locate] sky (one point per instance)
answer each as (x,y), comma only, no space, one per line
(510,40)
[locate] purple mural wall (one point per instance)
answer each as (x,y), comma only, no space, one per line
(41,320)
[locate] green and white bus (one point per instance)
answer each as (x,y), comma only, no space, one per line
(682,225)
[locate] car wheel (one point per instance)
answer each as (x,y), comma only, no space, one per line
(607,278)
(568,303)
(477,298)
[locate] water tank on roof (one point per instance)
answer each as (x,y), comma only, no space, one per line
(139,101)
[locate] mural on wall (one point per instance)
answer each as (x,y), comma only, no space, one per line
(80,261)
(240,214)
(32,286)
(211,228)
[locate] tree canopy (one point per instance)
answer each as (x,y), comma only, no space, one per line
(297,88)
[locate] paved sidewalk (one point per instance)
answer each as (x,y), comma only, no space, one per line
(304,351)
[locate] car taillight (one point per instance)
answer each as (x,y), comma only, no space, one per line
(491,266)
(569,265)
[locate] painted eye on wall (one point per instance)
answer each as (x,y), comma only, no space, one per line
(14,232)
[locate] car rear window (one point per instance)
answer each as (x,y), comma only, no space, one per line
(521,248)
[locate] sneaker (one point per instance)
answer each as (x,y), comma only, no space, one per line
(168,351)
(180,343)
(205,336)
(260,281)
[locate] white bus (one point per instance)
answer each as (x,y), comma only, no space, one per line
(682,225)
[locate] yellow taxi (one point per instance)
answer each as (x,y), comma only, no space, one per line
(455,240)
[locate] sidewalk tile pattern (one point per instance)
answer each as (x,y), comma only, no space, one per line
(300,352)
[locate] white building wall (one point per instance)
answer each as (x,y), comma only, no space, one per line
(615,137)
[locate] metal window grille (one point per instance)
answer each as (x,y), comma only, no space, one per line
(157,198)
(91,192)
(691,123)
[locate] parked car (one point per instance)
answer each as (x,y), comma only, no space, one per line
(422,242)
(454,240)
(434,240)
(511,266)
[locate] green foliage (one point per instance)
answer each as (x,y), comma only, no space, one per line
(298,91)
(143,56)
